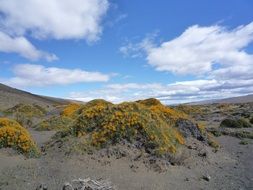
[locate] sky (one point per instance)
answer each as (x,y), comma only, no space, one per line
(176,51)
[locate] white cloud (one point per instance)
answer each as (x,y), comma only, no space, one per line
(37,75)
(48,19)
(178,92)
(65,19)
(214,50)
(199,49)
(215,55)
(23,47)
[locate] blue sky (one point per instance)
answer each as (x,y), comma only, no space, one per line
(178,51)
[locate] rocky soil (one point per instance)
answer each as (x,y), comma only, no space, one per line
(199,167)
(229,168)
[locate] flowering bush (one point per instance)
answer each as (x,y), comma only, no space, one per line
(14,136)
(147,121)
(70,110)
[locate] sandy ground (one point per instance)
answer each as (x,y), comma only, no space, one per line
(231,168)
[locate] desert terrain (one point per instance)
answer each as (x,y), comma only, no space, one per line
(209,146)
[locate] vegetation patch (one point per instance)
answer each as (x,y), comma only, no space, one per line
(244,142)
(13,135)
(235,123)
(225,131)
(26,114)
(251,120)
(146,124)
(189,109)
(54,123)
(70,110)
(29,110)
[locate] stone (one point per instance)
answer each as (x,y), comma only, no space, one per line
(42,187)
(67,186)
(189,129)
(206,177)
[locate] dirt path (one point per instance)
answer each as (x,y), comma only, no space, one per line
(41,137)
(243,154)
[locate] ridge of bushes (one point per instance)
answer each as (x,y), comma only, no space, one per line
(145,123)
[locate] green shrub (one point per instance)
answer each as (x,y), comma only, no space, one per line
(54,123)
(26,114)
(29,110)
(244,142)
(251,120)
(235,123)
(227,132)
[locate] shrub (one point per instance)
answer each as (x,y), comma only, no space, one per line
(54,123)
(70,110)
(28,110)
(244,142)
(189,109)
(212,142)
(229,132)
(251,120)
(14,136)
(26,114)
(148,123)
(235,123)
(242,134)
(150,102)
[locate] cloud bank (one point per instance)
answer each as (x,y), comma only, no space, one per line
(178,92)
(215,56)
(29,75)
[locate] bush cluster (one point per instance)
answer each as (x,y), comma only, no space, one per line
(26,114)
(28,110)
(147,122)
(70,110)
(235,123)
(14,136)
(54,123)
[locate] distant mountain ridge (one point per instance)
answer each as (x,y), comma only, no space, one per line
(11,96)
(239,99)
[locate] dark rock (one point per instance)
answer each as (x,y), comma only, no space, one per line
(67,186)
(189,129)
(203,154)
(206,177)
(133,167)
(42,187)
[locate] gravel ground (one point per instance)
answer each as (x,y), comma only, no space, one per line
(230,168)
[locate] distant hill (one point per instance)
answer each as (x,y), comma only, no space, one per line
(11,96)
(239,99)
